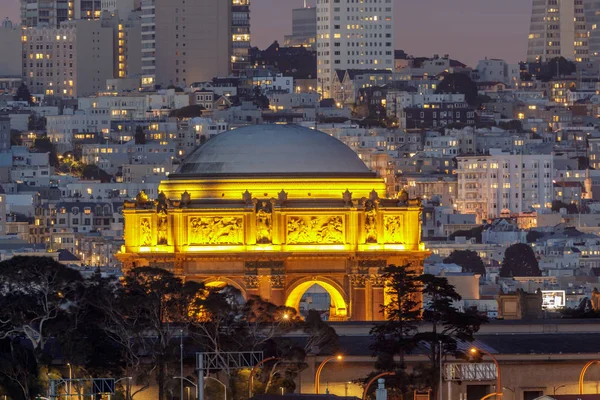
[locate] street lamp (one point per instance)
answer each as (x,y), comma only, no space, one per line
(253,371)
(498,393)
(381,375)
(70,379)
(127,387)
(320,368)
(555,388)
(582,374)
(206,377)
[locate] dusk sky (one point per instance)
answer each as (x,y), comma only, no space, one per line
(468,30)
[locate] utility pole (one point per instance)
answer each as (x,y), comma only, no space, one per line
(441,376)
(181,362)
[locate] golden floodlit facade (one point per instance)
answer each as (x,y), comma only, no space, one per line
(273,210)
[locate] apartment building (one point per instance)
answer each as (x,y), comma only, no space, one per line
(353,34)
(504,183)
(51,13)
(240,35)
(185,41)
(73,60)
(304,28)
(559,29)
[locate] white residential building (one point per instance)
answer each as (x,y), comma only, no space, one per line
(397,100)
(494,70)
(61,128)
(504,183)
(353,35)
(277,82)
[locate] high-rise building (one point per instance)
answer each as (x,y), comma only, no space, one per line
(240,35)
(50,13)
(73,60)
(559,29)
(10,48)
(591,9)
(185,41)
(304,28)
(353,35)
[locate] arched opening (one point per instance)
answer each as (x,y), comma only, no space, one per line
(222,282)
(305,291)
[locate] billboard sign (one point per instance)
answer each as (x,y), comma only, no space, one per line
(553,299)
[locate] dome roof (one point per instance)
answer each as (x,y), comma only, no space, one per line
(274,150)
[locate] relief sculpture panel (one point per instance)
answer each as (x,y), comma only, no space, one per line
(315,230)
(215,230)
(145,232)
(394,229)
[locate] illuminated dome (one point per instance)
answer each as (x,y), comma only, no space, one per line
(273,150)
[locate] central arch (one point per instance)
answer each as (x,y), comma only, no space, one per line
(339,306)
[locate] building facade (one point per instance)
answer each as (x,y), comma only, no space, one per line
(504,183)
(10,48)
(185,41)
(559,29)
(353,35)
(304,28)
(240,35)
(274,210)
(73,60)
(51,13)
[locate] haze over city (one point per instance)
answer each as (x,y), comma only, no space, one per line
(285,200)
(465,29)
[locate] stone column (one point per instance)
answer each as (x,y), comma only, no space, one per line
(377,296)
(359,299)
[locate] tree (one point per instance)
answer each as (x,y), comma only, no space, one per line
(187,112)
(44,145)
(469,260)
(394,337)
(512,125)
(36,293)
(140,135)
(259,98)
(93,172)
(469,234)
(459,83)
(449,326)
(519,260)
(156,304)
(23,94)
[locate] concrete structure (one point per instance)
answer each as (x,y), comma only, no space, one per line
(351,35)
(240,35)
(494,70)
(559,29)
(172,51)
(274,210)
(304,28)
(4,133)
(51,13)
(501,183)
(73,60)
(11,64)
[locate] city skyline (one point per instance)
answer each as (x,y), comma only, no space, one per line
(468,30)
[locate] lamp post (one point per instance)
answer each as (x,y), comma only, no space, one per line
(373,380)
(206,377)
(127,387)
(555,388)
(475,350)
(70,379)
(181,362)
(251,377)
(320,368)
(582,374)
